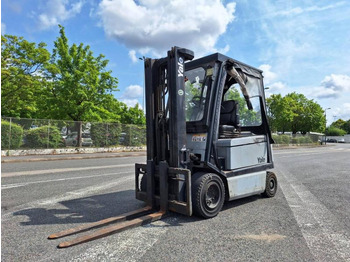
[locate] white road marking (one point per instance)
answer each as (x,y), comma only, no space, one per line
(61,170)
(294,151)
(57,180)
(301,150)
(315,221)
(311,154)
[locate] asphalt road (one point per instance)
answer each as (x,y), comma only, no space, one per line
(307,220)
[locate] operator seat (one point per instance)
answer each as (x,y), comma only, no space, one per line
(229,119)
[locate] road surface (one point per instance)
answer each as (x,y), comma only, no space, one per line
(307,220)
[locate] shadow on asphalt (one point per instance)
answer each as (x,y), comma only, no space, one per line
(94,208)
(241,201)
(83,210)
(182,219)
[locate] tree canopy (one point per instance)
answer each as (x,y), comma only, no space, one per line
(22,79)
(69,84)
(80,85)
(295,113)
(339,128)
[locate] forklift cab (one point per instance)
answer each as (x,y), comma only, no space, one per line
(208,139)
(226,122)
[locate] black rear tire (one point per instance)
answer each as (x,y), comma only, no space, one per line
(271,185)
(208,194)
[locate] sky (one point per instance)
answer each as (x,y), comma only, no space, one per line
(302,46)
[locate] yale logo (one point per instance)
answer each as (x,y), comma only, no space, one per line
(180,71)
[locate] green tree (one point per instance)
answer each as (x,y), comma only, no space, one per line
(22,76)
(309,115)
(81,86)
(133,115)
(346,126)
(335,131)
(342,124)
(280,112)
(295,113)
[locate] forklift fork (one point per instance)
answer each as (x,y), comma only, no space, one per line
(124,223)
(140,216)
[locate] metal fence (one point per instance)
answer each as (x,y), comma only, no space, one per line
(23,133)
(297,139)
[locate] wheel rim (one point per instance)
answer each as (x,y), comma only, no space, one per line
(213,196)
(272,184)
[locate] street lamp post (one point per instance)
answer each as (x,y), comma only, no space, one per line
(325,115)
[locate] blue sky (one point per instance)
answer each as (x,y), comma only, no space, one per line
(301,46)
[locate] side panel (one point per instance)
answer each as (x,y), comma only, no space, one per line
(246,185)
(243,152)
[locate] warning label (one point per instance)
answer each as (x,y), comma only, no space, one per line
(199,138)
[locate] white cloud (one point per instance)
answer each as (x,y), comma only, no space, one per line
(299,10)
(57,11)
(333,86)
(3,28)
(133,91)
(337,82)
(132,55)
(342,112)
(269,76)
(270,80)
(277,87)
(132,95)
(154,26)
(131,102)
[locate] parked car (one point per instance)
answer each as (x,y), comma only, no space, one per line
(72,139)
(122,138)
(332,140)
(342,140)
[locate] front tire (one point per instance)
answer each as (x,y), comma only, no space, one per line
(208,194)
(271,185)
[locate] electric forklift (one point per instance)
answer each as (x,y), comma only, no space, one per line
(208,141)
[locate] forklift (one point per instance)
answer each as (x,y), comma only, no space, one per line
(208,141)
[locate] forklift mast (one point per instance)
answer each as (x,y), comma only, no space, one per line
(165,178)
(165,108)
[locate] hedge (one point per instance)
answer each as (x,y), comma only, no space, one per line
(43,137)
(103,134)
(281,139)
(15,140)
(286,139)
(135,136)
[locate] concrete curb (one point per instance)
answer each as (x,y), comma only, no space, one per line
(292,146)
(34,155)
(85,156)
(59,151)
